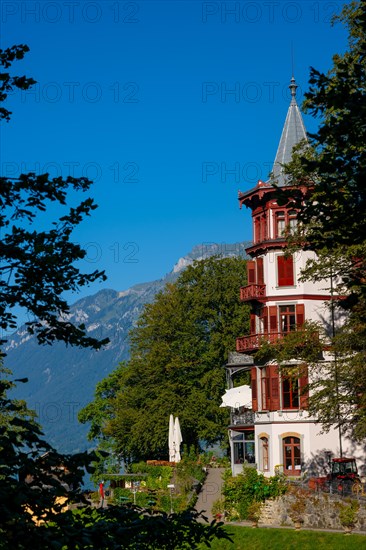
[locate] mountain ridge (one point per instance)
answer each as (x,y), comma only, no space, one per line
(62,379)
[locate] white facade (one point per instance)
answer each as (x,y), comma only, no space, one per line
(279,435)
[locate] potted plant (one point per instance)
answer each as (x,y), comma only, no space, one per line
(254,512)
(348,516)
(297,509)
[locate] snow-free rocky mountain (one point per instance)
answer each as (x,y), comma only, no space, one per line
(62,379)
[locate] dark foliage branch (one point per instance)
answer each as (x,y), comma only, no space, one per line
(37,483)
(38,266)
(8,82)
(327,186)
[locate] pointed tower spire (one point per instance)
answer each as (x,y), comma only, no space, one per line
(293,132)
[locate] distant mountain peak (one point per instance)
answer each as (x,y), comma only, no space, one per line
(63,379)
(181,264)
(206,250)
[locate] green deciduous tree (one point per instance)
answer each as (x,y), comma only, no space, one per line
(178,351)
(332,219)
(336,169)
(37,267)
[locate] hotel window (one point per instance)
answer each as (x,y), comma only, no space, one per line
(282,318)
(253,376)
(287,318)
(263,227)
(257,229)
(260,228)
(265,389)
(264,451)
(292,221)
(280,224)
(285,271)
(292,456)
(290,393)
(263,320)
(285,221)
(244,447)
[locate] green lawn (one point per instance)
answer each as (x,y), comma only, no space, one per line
(286,539)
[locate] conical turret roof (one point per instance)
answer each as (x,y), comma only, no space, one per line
(293,132)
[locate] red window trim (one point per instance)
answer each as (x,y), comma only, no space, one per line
(287,217)
(253,376)
(251,272)
(260,227)
(260,271)
(293,393)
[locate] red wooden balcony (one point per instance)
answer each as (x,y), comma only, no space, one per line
(252,292)
(254,341)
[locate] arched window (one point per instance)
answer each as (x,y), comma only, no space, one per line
(291,456)
(264,452)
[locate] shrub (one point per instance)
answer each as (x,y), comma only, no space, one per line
(248,487)
(254,511)
(348,514)
(218,507)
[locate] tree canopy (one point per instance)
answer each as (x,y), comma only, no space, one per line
(178,352)
(333,222)
(37,483)
(336,169)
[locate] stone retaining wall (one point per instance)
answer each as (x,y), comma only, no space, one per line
(322,512)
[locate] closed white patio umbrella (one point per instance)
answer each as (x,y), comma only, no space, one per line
(177,439)
(171,439)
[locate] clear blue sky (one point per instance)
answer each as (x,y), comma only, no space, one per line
(135,96)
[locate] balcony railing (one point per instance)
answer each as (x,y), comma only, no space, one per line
(244,419)
(254,341)
(252,292)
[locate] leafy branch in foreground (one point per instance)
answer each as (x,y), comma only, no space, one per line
(38,486)
(37,259)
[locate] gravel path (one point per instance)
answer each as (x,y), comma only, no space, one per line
(211,491)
